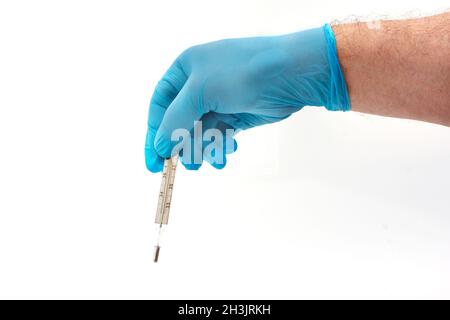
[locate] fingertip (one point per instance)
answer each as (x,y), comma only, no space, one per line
(233,148)
(153,162)
(222,162)
(162,145)
(219,166)
(156,168)
(191,166)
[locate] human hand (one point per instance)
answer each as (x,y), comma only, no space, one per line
(239,84)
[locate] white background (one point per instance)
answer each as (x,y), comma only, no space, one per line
(322,205)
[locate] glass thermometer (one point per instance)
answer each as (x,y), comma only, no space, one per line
(164,199)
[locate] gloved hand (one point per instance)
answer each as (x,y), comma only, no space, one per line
(243,83)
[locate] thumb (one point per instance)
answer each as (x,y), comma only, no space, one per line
(181,114)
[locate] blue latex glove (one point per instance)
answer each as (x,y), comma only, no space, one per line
(243,83)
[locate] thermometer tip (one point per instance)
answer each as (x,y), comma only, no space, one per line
(156,256)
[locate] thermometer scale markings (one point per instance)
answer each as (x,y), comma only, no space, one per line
(164,199)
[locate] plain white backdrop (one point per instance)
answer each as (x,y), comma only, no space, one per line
(322,205)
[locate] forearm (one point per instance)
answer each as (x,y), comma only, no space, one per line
(398,68)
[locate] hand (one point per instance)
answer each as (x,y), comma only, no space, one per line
(242,83)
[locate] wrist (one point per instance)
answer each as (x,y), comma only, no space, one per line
(314,69)
(338,98)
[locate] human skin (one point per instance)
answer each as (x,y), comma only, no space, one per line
(398,68)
